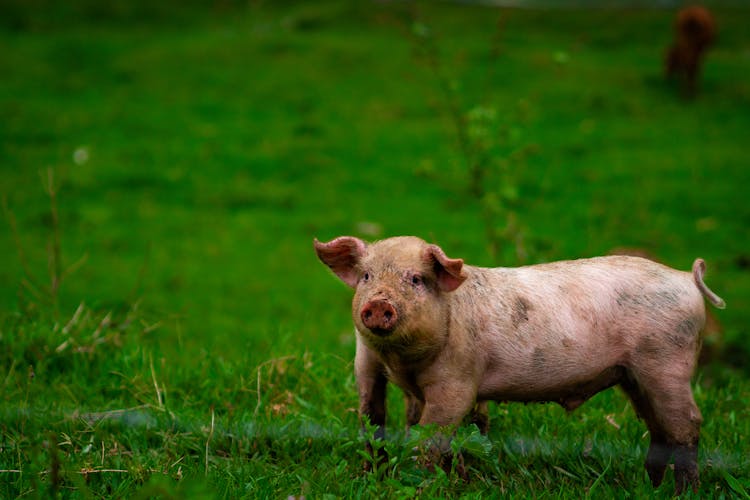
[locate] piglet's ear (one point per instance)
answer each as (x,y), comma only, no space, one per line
(342,255)
(448,271)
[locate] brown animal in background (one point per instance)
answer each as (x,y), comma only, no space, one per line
(695,32)
(454,337)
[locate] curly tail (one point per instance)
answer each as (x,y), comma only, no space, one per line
(699,269)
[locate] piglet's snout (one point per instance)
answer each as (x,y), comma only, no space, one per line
(379,316)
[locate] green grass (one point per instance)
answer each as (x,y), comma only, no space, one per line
(221,140)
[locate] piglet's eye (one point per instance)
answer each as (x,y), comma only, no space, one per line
(416,279)
(366,277)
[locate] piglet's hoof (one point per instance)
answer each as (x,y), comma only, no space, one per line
(446,461)
(460,468)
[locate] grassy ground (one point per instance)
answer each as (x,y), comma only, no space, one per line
(199,349)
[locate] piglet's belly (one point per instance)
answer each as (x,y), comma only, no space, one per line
(569,388)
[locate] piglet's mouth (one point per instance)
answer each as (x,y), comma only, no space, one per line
(379,316)
(381,332)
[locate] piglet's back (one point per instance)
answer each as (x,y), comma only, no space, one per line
(588,312)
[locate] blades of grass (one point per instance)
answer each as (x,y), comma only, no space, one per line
(599,479)
(566,473)
(736,485)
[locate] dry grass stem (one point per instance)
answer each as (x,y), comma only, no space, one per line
(74,319)
(156,385)
(272,362)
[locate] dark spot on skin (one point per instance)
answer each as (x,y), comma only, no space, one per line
(650,347)
(658,299)
(473,330)
(684,333)
(655,273)
(566,342)
(623,298)
(538,360)
(669,298)
(477,282)
(521,308)
(677,340)
(688,327)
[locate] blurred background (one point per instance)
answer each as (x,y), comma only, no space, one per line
(196,148)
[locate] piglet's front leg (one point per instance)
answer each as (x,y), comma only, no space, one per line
(446,404)
(371,383)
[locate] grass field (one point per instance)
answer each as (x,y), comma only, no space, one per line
(165,327)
